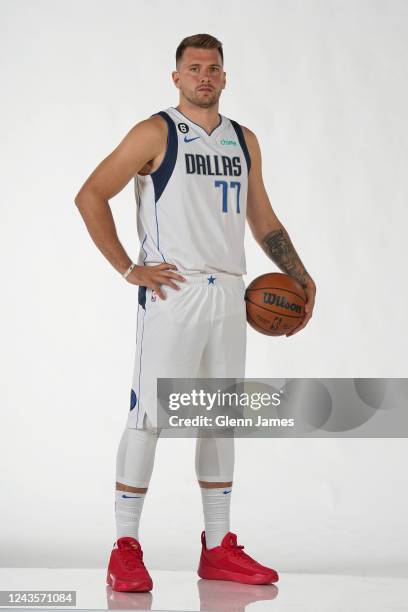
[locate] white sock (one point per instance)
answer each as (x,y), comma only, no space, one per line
(128,508)
(134,466)
(216,508)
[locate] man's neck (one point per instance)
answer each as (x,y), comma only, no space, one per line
(207,118)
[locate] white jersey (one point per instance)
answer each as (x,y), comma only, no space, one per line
(191,210)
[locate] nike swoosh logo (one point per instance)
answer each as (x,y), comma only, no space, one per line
(132,496)
(190,139)
(225,492)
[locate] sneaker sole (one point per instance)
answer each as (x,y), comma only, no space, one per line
(210,573)
(125,585)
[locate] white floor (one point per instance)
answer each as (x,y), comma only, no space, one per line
(184,591)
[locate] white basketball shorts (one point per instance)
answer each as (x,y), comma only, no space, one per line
(197,332)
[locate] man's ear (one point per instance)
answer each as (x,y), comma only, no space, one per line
(176,78)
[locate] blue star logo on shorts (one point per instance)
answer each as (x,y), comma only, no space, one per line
(211,280)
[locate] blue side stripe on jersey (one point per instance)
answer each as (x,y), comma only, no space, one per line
(162,175)
(241,139)
(157,232)
(137,188)
(144,240)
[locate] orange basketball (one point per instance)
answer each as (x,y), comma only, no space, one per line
(275,304)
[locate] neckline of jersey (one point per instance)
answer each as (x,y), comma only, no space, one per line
(217,127)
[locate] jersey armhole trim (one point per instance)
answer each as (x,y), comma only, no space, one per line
(162,174)
(241,138)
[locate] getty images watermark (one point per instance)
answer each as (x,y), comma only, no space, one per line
(212,402)
(276,407)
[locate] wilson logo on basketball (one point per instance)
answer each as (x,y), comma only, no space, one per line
(275,304)
(282,302)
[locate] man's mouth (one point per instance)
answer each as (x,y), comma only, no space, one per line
(205,89)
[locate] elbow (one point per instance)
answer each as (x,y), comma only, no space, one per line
(78,199)
(81,198)
(262,228)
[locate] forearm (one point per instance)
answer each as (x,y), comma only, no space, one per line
(278,246)
(98,219)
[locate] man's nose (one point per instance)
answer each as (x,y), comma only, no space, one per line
(205,75)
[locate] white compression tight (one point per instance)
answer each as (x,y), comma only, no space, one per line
(214,458)
(135,457)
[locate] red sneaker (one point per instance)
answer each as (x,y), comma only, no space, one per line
(229,562)
(126,570)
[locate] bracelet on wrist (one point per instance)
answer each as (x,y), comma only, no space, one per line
(128,271)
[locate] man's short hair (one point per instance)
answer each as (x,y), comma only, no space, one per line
(199,41)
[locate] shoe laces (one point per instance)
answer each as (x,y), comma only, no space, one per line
(237,549)
(238,552)
(132,557)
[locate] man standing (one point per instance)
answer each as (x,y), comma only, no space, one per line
(197,178)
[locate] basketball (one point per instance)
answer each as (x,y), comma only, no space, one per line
(275,304)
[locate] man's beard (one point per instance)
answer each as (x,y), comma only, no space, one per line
(204,102)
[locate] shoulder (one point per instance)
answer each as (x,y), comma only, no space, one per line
(146,140)
(250,139)
(154,127)
(252,144)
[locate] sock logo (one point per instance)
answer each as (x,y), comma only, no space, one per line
(132,496)
(225,492)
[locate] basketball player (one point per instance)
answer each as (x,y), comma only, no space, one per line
(197,177)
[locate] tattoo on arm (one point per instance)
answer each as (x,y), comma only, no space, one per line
(278,246)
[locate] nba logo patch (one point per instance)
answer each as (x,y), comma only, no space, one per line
(153,295)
